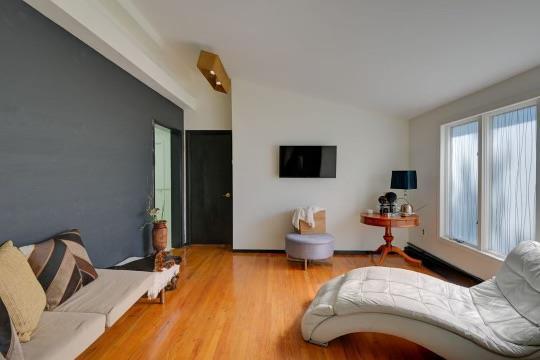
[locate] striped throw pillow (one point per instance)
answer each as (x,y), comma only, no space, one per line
(56,270)
(73,241)
(10,347)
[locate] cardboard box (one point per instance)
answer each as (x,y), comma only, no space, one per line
(320,224)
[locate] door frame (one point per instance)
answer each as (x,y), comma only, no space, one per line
(189,133)
(177,182)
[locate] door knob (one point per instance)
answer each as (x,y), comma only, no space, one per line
(227,195)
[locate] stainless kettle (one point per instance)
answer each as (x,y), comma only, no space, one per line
(406,209)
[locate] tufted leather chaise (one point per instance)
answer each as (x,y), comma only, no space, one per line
(497,319)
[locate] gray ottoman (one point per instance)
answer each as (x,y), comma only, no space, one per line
(309,246)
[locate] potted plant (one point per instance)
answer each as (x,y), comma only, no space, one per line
(159,227)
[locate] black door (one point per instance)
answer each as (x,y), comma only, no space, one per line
(209,187)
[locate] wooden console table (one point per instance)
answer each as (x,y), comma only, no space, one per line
(388,222)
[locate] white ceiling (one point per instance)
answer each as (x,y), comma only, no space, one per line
(397,57)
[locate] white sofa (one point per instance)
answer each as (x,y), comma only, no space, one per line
(497,319)
(74,325)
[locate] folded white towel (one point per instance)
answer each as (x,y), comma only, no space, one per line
(305,214)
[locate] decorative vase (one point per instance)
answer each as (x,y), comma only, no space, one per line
(159,236)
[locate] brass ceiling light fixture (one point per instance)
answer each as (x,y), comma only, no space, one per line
(211,67)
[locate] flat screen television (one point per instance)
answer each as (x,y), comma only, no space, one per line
(307,161)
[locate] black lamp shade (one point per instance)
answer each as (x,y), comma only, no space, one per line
(403,179)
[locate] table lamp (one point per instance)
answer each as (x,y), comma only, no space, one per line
(404,180)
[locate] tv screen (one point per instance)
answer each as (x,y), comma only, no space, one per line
(307,161)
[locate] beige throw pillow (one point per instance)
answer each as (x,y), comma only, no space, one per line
(20,291)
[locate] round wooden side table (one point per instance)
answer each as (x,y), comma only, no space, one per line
(388,222)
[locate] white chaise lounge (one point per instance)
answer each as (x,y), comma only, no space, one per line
(496,319)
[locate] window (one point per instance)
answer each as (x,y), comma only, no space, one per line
(488,172)
(463,191)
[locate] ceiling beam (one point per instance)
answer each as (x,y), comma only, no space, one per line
(85,20)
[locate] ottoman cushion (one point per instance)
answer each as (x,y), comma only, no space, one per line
(310,239)
(311,247)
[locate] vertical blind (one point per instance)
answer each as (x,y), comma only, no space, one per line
(463,209)
(512,166)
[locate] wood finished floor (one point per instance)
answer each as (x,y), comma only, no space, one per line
(243,306)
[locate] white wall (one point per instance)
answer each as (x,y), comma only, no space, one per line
(369,147)
(425,158)
(213,112)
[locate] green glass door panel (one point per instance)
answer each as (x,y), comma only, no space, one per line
(162,175)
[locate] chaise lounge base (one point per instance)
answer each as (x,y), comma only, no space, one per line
(444,343)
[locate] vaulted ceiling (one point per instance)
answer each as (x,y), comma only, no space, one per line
(397,57)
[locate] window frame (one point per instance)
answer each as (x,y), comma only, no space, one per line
(446,162)
(484,169)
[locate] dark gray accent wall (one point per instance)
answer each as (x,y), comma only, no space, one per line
(76,139)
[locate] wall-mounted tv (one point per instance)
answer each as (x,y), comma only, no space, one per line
(307,161)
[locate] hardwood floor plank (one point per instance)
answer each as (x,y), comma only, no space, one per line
(243,306)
